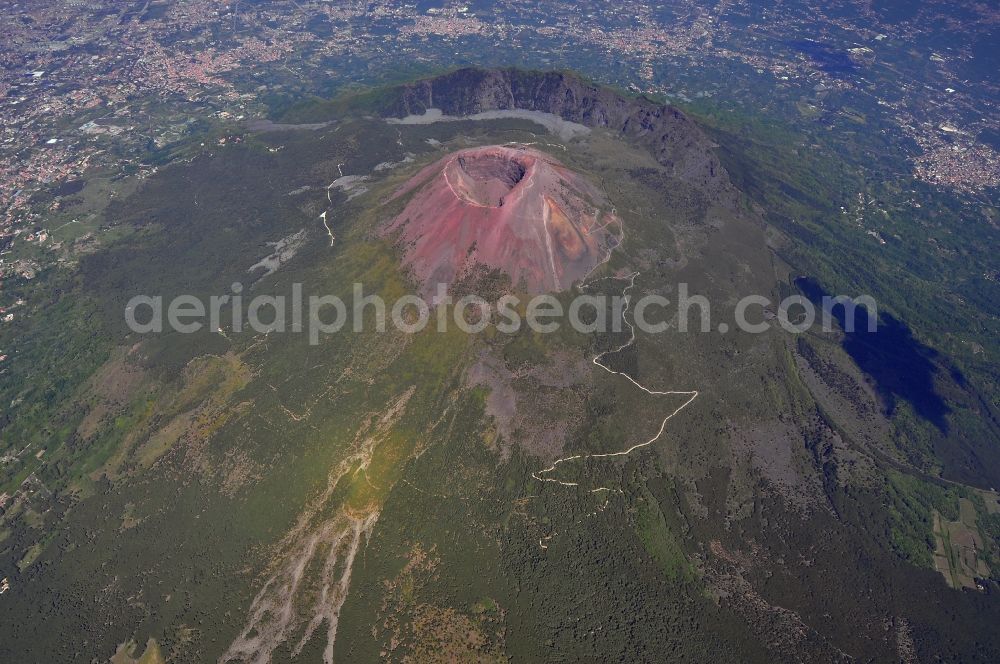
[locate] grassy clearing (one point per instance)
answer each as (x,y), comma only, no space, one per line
(127,653)
(659,541)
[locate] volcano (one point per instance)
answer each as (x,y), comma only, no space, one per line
(509,208)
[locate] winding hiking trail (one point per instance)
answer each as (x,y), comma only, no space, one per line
(692,395)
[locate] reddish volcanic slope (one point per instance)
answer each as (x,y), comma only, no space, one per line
(511,208)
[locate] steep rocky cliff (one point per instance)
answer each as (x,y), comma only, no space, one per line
(674,139)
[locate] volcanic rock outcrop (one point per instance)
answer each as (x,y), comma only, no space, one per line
(512,209)
(674,140)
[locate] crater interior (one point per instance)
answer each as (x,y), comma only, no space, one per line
(487,179)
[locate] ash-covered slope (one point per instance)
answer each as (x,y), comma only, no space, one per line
(675,140)
(512,209)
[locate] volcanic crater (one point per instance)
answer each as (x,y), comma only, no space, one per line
(510,208)
(484,179)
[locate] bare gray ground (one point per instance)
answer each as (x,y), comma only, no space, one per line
(553,123)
